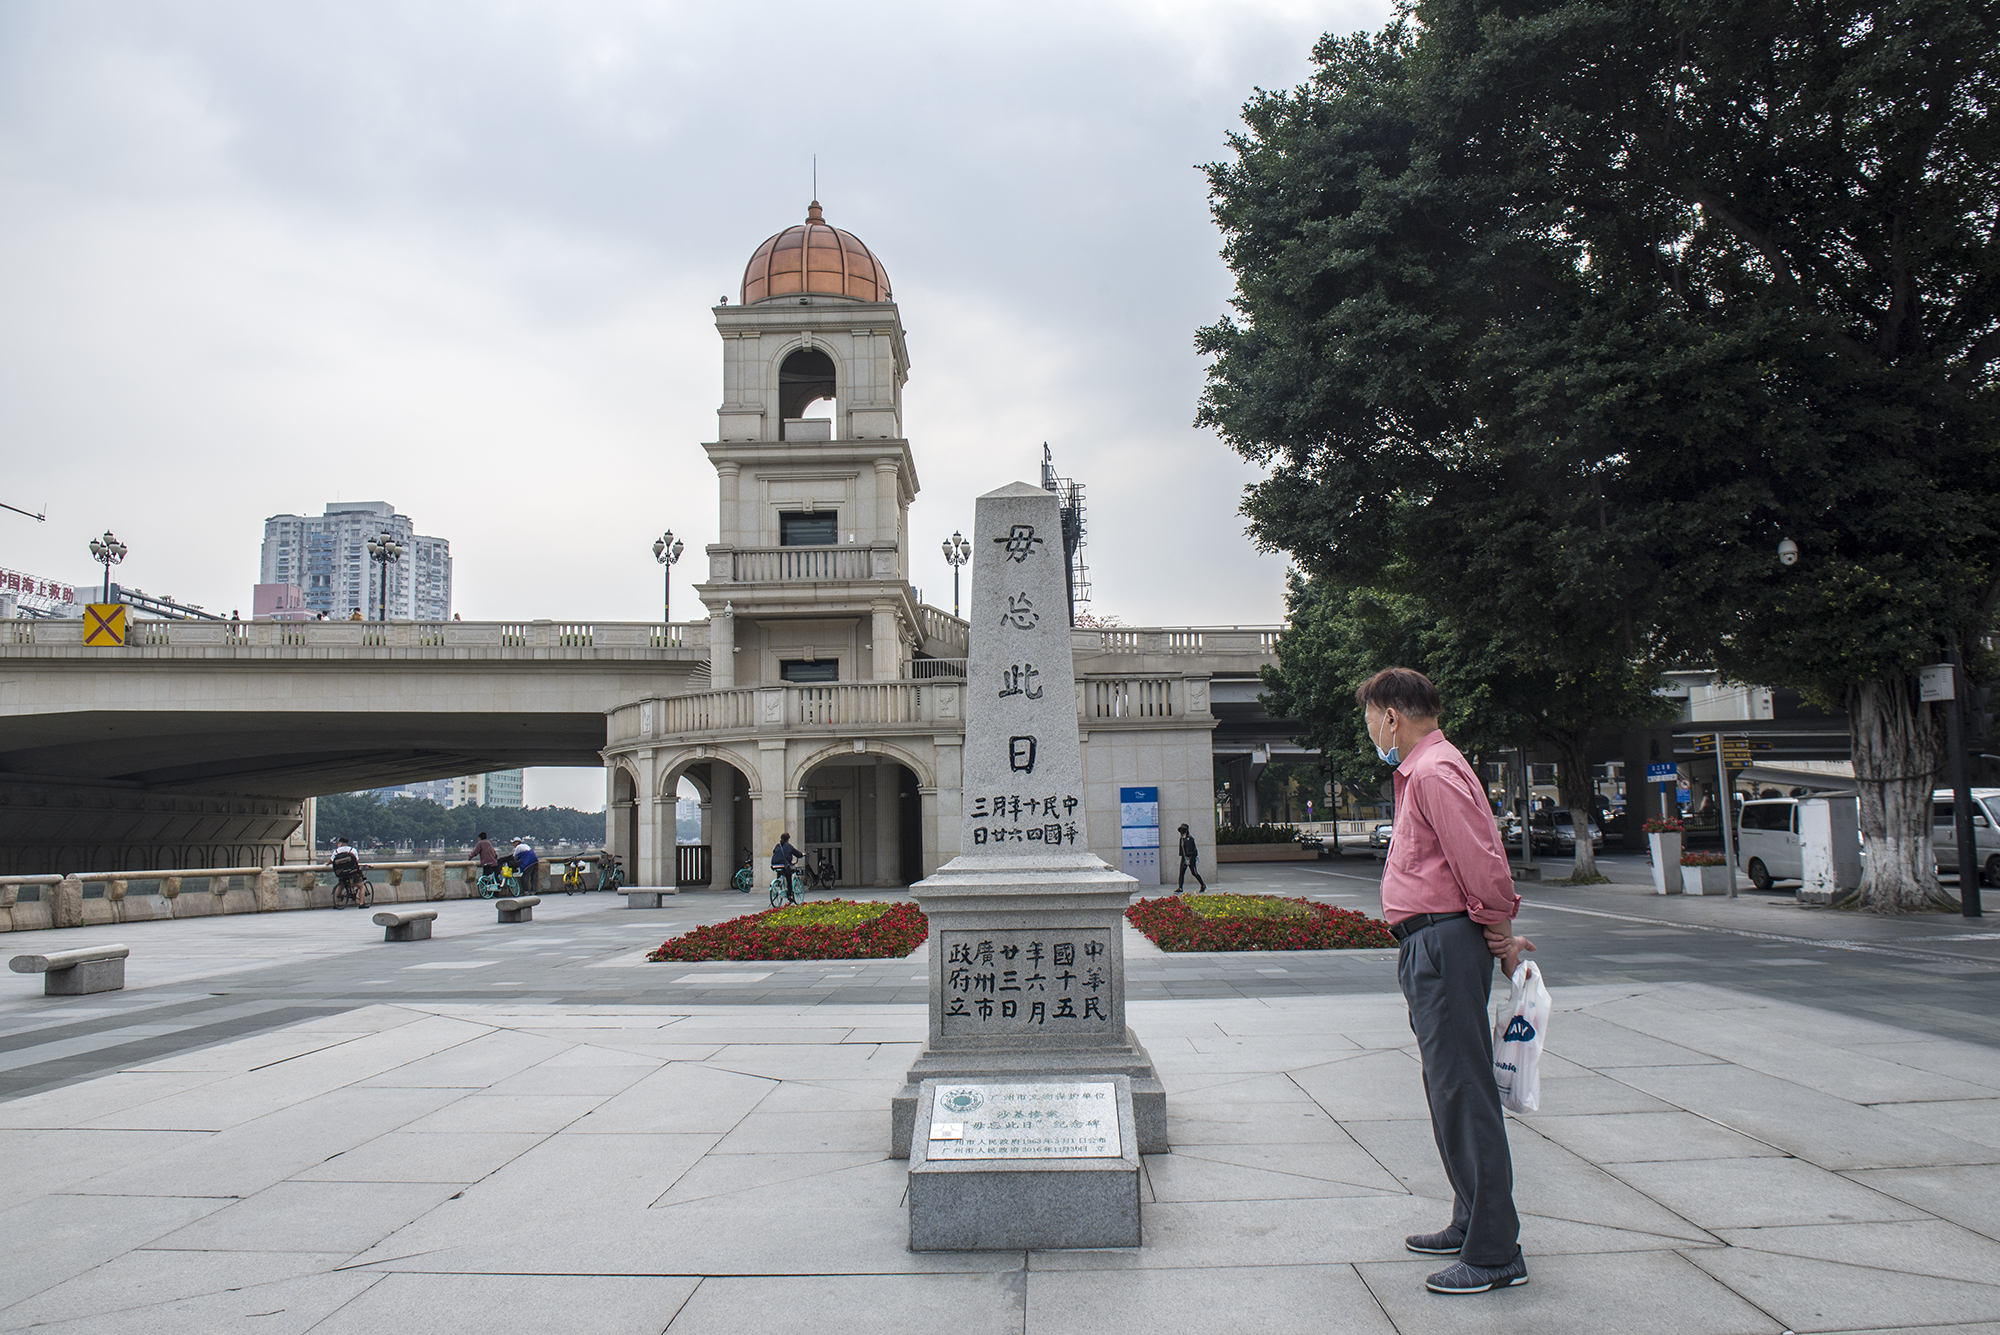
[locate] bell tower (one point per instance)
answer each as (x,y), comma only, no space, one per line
(809,580)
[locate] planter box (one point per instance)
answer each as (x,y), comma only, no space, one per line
(1707,880)
(1265,853)
(1666,863)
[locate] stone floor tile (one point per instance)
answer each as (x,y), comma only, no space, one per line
(1195,1121)
(1599,1043)
(963,1304)
(1630,1293)
(309,1217)
(1407,1152)
(58,1237)
(1373,1085)
(1961,1061)
(1809,1295)
(593,1053)
(545,1078)
(1760,1193)
(763,1132)
(1915,1247)
(1975,1120)
(1270,1300)
(721,1174)
(475,1064)
(246,1159)
(571,1174)
(477,1112)
(284,1307)
(1550,1180)
(813,1096)
(1815,1126)
(1342,1161)
(1184,1177)
(147,1277)
(437,1156)
(1968,1197)
(544,1304)
(1201,1234)
(1643,1137)
(880,1183)
(1585,1095)
(106,1096)
(42,1162)
(679,1097)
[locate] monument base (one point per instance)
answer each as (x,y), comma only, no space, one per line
(1010,1204)
(1131,1061)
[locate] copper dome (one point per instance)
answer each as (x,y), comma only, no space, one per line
(817,259)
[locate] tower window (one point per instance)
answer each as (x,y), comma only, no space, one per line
(804,379)
(810,669)
(821,528)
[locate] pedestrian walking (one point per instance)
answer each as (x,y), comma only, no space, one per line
(1449,899)
(1190,862)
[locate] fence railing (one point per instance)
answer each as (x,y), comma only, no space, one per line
(934,669)
(694,864)
(949,630)
(1129,697)
(212,636)
(788,565)
(1215,641)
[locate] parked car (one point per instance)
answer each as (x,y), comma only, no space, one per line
(1555,832)
(1985,831)
(1767,841)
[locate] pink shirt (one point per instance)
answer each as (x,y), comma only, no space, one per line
(1445,855)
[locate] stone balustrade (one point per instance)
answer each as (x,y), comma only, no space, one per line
(421,639)
(200,892)
(799,565)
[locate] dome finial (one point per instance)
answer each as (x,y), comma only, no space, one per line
(813,214)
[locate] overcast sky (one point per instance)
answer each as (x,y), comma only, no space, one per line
(258,256)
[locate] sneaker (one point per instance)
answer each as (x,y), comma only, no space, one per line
(1445,1243)
(1466,1277)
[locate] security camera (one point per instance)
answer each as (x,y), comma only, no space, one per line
(1788,553)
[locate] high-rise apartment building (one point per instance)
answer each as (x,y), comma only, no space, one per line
(327,557)
(501,788)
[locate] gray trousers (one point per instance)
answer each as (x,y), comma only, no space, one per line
(1446,974)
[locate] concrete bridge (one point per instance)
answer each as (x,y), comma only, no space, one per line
(197,743)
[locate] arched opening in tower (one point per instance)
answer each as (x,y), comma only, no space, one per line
(804,379)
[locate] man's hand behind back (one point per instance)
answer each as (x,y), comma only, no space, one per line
(1506,947)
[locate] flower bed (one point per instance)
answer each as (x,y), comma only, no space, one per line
(833,929)
(1702,860)
(1661,825)
(1254,922)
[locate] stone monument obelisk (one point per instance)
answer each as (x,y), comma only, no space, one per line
(1027,960)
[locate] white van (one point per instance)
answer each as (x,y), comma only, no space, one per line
(1767,841)
(1985,833)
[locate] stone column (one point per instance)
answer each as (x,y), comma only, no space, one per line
(888,824)
(1027,959)
(722,822)
(770,818)
(722,650)
(887,646)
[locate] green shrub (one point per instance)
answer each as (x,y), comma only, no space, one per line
(1257,834)
(1255,922)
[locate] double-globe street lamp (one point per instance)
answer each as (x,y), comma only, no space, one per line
(957,551)
(667,551)
(108,552)
(384,550)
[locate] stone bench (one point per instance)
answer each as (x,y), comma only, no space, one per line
(72,973)
(517,910)
(406,924)
(645,896)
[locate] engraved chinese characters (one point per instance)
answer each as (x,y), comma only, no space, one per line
(1025,1121)
(1026,981)
(1023,767)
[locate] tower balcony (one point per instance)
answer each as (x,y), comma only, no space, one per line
(802,565)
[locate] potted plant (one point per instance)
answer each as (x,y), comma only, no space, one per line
(1664,836)
(1705,874)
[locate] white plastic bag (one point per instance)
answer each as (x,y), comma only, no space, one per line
(1518,1032)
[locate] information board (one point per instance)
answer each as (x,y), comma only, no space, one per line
(1664,771)
(1139,834)
(1025,1121)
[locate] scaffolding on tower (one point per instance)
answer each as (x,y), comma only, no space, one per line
(1069,496)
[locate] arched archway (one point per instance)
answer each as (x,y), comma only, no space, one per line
(728,792)
(806,376)
(622,836)
(864,815)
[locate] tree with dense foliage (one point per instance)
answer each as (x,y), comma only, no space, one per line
(367,819)
(1561,315)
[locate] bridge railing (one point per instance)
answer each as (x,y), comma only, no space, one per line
(351,635)
(1188,641)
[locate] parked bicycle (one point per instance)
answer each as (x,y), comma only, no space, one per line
(821,875)
(745,878)
(572,877)
(610,872)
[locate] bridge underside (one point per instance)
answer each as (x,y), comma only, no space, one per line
(287,755)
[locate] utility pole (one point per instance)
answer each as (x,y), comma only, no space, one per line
(1728,813)
(1963,831)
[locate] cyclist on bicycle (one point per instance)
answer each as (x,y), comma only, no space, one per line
(783,859)
(487,856)
(346,869)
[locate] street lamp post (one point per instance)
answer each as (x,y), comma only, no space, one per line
(384,551)
(957,551)
(667,551)
(108,552)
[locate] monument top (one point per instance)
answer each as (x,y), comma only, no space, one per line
(1023,804)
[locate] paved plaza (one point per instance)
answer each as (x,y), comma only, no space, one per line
(1757,1118)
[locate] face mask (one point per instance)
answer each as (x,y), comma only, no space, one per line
(1392,756)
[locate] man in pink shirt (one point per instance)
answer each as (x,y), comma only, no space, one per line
(1448,897)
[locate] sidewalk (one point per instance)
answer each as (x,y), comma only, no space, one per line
(1708,1161)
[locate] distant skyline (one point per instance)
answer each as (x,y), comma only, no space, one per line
(261,257)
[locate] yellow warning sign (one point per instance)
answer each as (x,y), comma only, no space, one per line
(104,624)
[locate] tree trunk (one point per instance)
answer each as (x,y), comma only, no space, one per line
(1898,747)
(1573,786)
